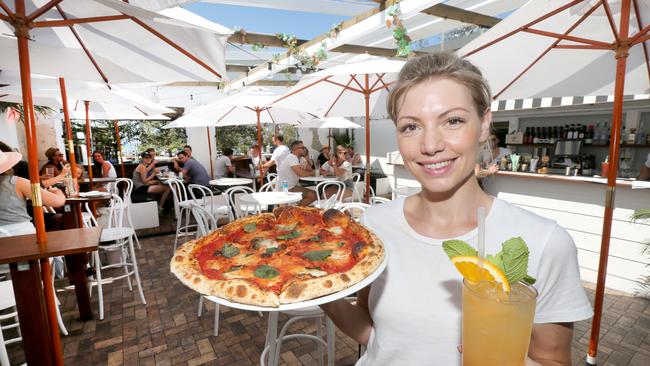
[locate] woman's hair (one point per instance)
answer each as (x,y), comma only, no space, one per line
(49,153)
(441,65)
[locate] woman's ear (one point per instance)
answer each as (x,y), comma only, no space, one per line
(486,124)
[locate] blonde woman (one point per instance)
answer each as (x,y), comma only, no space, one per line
(411,315)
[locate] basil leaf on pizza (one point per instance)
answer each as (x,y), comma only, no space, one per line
(290,256)
(265,271)
(317,255)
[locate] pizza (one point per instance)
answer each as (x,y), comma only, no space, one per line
(292,255)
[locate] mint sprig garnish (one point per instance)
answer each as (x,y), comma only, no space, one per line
(512,260)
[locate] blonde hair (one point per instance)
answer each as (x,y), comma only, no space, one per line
(440,65)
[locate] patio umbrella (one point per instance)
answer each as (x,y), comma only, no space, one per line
(250,107)
(77,39)
(329,123)
(567,48)
(340,90)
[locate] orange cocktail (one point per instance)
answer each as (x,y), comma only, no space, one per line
(497,324)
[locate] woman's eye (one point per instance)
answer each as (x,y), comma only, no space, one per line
(454,121)
(409,127)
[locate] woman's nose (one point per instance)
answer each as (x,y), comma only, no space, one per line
(432,141)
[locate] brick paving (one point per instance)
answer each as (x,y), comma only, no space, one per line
(167,330)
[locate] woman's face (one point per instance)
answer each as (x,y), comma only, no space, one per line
(341,153)
(439,133)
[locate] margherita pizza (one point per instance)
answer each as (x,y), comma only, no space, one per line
(292,255)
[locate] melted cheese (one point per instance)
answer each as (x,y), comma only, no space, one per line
(314,272)
(340,255)
(336,230)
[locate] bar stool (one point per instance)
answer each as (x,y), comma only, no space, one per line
(116,238)
(182,209)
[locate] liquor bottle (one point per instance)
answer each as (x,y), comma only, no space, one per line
(589,136)
(581,134)
(640,135)
(597,140)
(536,136)
(526,134)
(560,132)
(556,133)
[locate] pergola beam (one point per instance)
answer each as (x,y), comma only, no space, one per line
(265,82)
(265,40)
(245,68)
(462,15)
(375,51)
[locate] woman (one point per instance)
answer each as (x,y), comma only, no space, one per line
(106,168)
(341,168)
(14,191)
(144,180)
(411,315)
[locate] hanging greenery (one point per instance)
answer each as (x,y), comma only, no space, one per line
(402,39)
(290,42)
(19,113)
(335,30)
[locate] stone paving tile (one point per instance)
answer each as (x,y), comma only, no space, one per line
(167,331)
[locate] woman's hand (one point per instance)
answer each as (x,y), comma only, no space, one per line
(64,171)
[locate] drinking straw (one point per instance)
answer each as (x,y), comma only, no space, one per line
(480,217)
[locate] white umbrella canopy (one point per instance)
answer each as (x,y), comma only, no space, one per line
(561,71)
(125,47)
(572,48)
(46,91)
(339,90)
(329,122)
(357,88)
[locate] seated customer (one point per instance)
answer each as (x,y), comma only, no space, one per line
(292,168)
(223,164)
(14,191)
(178,165)
(144,180)
(254,154)
(193,172)
(353,157)
(54,171)
(342,169)
(106,168)
(324,155)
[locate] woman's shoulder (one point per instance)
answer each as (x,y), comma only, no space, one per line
(381,213)
(510,214)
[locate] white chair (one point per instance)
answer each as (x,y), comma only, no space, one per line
(357,189)
(269,186)
(126,197)
(332,201)
(7,301)
(217,206)
(271,177)
(271,353)
(182,210)
(378,200)
(354,209)
(241,209)
(116,239)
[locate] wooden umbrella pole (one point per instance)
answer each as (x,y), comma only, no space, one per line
(22,35)
(88,143)
(119,148)
(68,130)
(259,145)
(366,94)
(207,130)
(614,152)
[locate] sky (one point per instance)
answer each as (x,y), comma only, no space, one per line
(269,21)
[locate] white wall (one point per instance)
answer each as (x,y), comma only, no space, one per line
(49,133)
(8,133)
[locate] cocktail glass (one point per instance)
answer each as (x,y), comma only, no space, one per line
(497,325)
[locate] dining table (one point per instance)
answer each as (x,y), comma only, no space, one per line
(72,211)
(270,198)
(23,254)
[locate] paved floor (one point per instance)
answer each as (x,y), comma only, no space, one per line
(167,330)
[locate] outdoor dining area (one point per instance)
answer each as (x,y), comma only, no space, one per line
(390,165)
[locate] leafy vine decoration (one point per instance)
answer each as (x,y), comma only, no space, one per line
(402,39)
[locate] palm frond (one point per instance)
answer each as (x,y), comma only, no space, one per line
(642,214)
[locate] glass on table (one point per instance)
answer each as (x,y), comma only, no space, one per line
(49,172)
(496,324)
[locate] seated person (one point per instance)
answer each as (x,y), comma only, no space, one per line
(193,172)
(254,154)
(56,168)
(178,165)
(152,153)
(324,155)
(223,165)
(292,168)
(21,169)
(144,180)
(14,191)
(106,168)
(353,157)
(342,169)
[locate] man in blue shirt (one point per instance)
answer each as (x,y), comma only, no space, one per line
(193,171)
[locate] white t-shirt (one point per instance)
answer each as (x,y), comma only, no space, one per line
(286,173)
(279,154)
(416,303)
(647,161)
(221,166)
(346,165)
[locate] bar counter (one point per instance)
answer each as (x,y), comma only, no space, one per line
(620,182)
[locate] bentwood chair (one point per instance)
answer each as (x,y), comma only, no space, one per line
(217,206)
(126,198)
(240,209)
(324,202)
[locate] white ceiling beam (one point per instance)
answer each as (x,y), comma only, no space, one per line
(334,7)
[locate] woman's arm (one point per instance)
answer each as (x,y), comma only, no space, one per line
(352,319)
(54,180)
(52,197)
(550,344)
(105,169)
